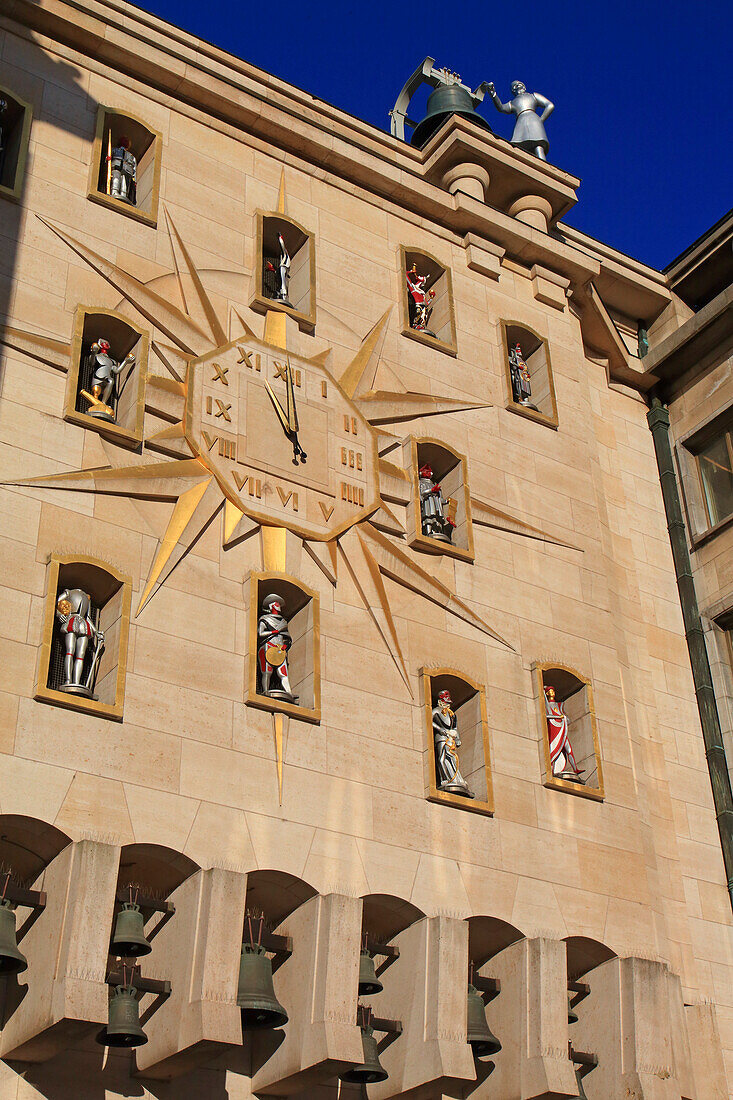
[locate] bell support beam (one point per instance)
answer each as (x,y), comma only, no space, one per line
(386,951)
(426,989)
(199,950)
(392,1030)
(487,987)
(65,996)
(35,900)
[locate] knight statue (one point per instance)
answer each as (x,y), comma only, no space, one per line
(529,130)
(447,741)
(104,370)
(83,642)
(521,382)
(562,760)
(420,300)
(283,270)
(274,641)
(122,177)
(436,513)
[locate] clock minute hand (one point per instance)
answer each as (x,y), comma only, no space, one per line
(298,451)
(285,419)
(281,414)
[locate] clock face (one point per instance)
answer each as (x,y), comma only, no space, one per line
(233,423)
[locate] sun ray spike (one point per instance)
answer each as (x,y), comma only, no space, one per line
(279,728)
(55,353)
(276,331)
(281,194)
(176,325)
(323,555)
(246,331)
(486,515)
(183,512)
(388,407)
(395,563)
(156,479)
(232,516)
(362,370)
(204,303)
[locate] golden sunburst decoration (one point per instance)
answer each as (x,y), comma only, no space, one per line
(178,463)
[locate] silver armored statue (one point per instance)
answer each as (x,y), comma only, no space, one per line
(104,370)
(529,131)
(83,642)
(283,271)
(447,742)
(521,382)
(123,172)
(274,641)
(435,511)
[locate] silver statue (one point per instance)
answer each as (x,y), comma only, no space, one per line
(529,131)
(521,382)
(447,741)
(283,269)
(104,369)
(274,641)
(76,626)
(123,172)
(435,511)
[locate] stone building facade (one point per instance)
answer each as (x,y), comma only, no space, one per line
(266,435)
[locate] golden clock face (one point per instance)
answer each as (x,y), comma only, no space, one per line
(253,412)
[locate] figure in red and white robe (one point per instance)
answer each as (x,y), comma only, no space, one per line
(562,760)
(420,300)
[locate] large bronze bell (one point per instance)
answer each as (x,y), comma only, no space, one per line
(572,1014)
(482,1039)
(445,100)
(369,983)
(581,1091)
(129,939)
(370,1070)
(255,991)
(12,961)
(123,1029)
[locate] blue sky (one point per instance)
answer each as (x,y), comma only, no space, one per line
(640,90)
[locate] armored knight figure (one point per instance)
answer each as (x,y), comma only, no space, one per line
(447,741)
(419,300)
(529,131)
(435,510)
(283,270)
(274,641)
(123,164)
(562,760)
(76,626)
(104,370)
(521,383)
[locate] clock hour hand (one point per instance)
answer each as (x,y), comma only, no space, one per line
(285,419)
(293,419)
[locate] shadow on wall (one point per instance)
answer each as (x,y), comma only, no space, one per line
(54,90)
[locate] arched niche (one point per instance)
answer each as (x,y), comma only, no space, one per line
(301,247)
(27,846)
(468,703)
(128,396)
(487,936)
(110,593)
(532,367)
(384,916)
(146,145)
(148,874)
(427,287)
(15,130)
(453,534)
(574,693)
(584,955)
(301,609)
(277,894)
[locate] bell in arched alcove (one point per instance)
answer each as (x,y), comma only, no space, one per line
(123,1029)
(129,940)
(480,1036)
(12,960)
(255,991)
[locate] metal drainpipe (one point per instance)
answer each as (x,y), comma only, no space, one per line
(658,420)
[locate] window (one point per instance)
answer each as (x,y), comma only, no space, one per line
(15,128)
(285,273)
(125,168)
(530,388)
(284,648)
(570,749)
(440,509)
(458,763)
(715,462)
(428,313)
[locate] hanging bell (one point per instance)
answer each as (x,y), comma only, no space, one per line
(572,1014)
(445,100)
(369,983)
(123,1029)
(255,991)
(370,1070)
(482,1039)
(12,961)
(579,1081)
(129,939)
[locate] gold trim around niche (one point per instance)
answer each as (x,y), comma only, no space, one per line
(112,430)
(252,697)
(15,192)
(45,694)
(448,347)
(511,405)
(259,302)
(415,536)
(432,794)
(95,195)
(579,790)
